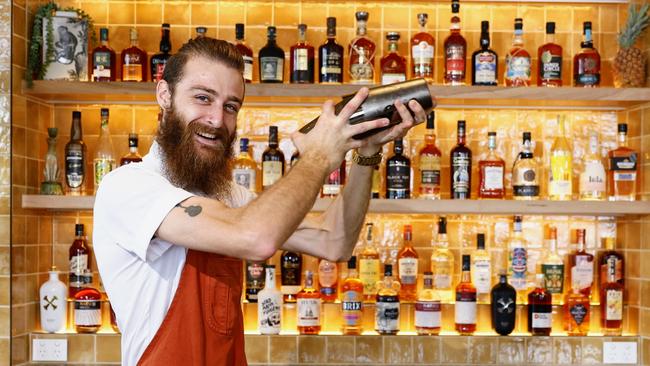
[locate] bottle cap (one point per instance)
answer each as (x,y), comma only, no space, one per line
(302,27)
(423,18)
(239,31)
(550,27)
(466,262)
(269,266)
(492,133)
(527,136)
(485,26)
(133,140)
(442,225)
(398,144)
(392,36)
(201,31)
(104,112)
(461,124)
(581,235)
(273,133)
(352,262)
(103,34)
(76,115)
(331,26)
(431,120)
(52,132)
(243,144)
(388,269)
(165,26)
(519,24)
(79,229)
(428,273)
(480,241)
(362,16)
(585,26)
(271,32)
(408,232)
(622,127)
(455,6)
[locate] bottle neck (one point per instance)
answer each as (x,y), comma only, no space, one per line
(518,39)
(442,240)
(503,279)
(301,37)
(492,143)
(550,37)
(466,276)
(75,130)
(133,149)
(622,139)
(392,46)
(361,28)
(428,283)
(430,137)
(134,42)
(588,42)
(352,273)
(270,279)
(485,40)
(270,41)
(593,145)
(461,137)
(455,24)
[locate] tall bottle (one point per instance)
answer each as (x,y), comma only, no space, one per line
(244,170)
(553,269)
(245,50)
(330,54)
(592,177)
(586,64)
(328,280)
(518,59)
(518,261)
(271,59)
(291,275)
(133,156)
(525,177)
(465,307)
(429,163)
(362,53)
(309,307)
(540,309)
(255,276)
(442,263)
(159,60)
(485,62)
(482,270)
(491,172)
(79,259)
(352,300)
(272,160)
(301,63)
(549,60)
(392,65)
(369,266)
(134,60)
(560,186)
(611,303)
(387,308)
(428,308)
(461,166)
(407,267)
(398,173)
(75,157)
(103,60)
(621,178)
(455,50)
(611,255)
(423,51)
(104,160)
(269,304)
(503,306)
(53,303)
(581,266)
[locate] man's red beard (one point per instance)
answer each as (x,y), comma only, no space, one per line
(193,166)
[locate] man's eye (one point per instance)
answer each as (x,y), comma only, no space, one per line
(202,98)
(232,108)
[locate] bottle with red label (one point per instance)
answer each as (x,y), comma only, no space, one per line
(465,307)
(159,60)
(518,59)
(455,50)
(79,257)
(327,279)
(485,62)
(586,64)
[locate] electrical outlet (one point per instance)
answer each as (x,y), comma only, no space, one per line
(619,352)
(49,349)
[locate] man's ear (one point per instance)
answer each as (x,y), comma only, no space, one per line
(163,95)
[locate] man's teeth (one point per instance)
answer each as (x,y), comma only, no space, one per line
(207,135)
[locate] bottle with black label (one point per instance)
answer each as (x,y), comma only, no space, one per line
(398,173)
(254,279)
(271,59)
(504,306)
(290,272)
(485,62)
(330,68)
(75,157)
(525,177)
(549,59)
(461,166)
(387,306)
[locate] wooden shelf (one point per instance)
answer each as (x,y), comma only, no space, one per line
(415,206)
(67,92)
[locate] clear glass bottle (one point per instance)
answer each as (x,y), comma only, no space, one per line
(393,65)
(309,307)
(560,185)
(518,64)
(429,163)
(369,265)
(525,177)
(245,50)
(133,156)
(104,161)
(442,264)
(455,50)
(244,170)
(465,307)
(269,304)
(482,270)
(428,308)
(423,51)
(301,63)
(518,260)
(387,307)
(352,300)
(592,186)
(491,172)
(407,267)
(361,52)
(553,269)
(621,178)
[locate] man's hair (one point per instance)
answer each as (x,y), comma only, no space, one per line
(213,49)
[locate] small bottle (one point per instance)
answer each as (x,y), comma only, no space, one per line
(429,163)
(159,60)
(621,178)
(133,156)
(461,166)
(352,300)
(271,59)
(518,261)
(504,306)
(362,53)
(482,270)
(201,32)
(75,157)
(593,177)
(398,173)
(581,266)
(560,186)
(134,60)
(327,280)
(428,308)
(455,50)
(302,59)
(88,308)
(609,255)
(540,309)
(246,52)
(465,307)
(290,272)
(79,259)
(525,177)
(104,161)
(334,182)
(518,59)
(611,303)
(485,62)
(407,267)
(330,68)
(577,310)
(491,172)
(442,263)
(369,266)
(255,277)
(387,308)
(393,65)
(553,269)
(103,62)
(309,307)
(244,170)
(53,303)
(272,160)
(269,304)
(423,51)
(549,60)
(586,64)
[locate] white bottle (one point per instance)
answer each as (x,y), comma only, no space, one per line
(269,304)
(53,303)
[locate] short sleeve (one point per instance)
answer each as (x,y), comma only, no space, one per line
(130,205)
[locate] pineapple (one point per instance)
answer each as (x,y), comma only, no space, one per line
(630,61)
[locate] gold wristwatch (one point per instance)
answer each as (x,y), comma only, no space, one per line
(366,160)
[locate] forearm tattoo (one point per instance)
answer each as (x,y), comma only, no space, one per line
(193,210)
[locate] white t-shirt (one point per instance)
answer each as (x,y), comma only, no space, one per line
(140,273)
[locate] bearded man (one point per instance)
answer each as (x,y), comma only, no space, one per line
(170,233)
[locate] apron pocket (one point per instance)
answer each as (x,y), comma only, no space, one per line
(220,307)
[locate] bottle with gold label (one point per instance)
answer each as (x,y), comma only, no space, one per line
(560,186)
(369,266)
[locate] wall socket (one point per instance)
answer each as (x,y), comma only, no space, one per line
(619,353)
(49,349)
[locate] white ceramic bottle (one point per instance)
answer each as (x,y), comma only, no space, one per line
(269,304)
(53,303)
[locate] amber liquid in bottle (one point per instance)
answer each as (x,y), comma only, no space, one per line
(423,51)
(393,65)
(103,62)
(133,156)
(577,311)
(491,171)
(361,51)
(246,52)
(611,303)
(581,267)
(465,308)
(549,60)
(586,64)
(407,267)
(429,163)
(352,300)
(455,50)
(309,307)
(369,266)
(302,59)
(540,309)
(621,176)
(134,60)
(518,59)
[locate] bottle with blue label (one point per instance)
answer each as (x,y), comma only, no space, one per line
(484,60)
(518,261)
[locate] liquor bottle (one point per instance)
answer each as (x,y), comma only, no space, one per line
(246,52)
(104,160)
(581,266)
(330,54)
(407,267)
(387,308)
(201,32)
(369,266)
(525,180)
(461,166)
(272,160)
(485,62)
(491,172)
(134,60)
(352,300)
(327,280)
(133,156)
(609,255)
(362,53)
(398,173)
(577,312)
(482,270)
(290,272)
(103,62)
(504,306)
(429,163)
(309,307)
(75,157)
(302,59)
(518,59)
(423,51)
(269,304)
(593,177)
(428,308)
(553,269)
(254,279)
(560,187)
(53,303)
(442,263)
(518,261)
(621,178)
(540,309)
(465,307)
(334,182)
(455,50)
(393,65)
(88,308)
(244,170)
(159,60)
(586,64)
(549,60)
(611,303)
(271,59)
(79,258)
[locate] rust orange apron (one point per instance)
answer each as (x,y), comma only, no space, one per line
(204,324)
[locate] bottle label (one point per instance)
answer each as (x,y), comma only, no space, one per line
(588,71)
(518,267)
(560,184)
(551,66)
(78,264)
(255,274)
(269,313)
(542,320)
(604,268)
(308,312)
(248,68)
(422,55)
(389,78)
(441,281)
(427,314)
(517,67)
(588,79)
(246,178)
(331,189)
(505,305)
(87,312)
(132,71)
(465,309)
(553,278)
(331,65)
(614,305)
(271,172)
(624,164)
(482,276)
(578,313)
(525,187)
(387,314)
(74,168)
(485,68)
(455,61)
(525,191)
(493,177)
(461,173)
(592,179)
(327,274)
(102,167)
(101,64)
(272,69)
(352,305)
(582,274)
(369,275)
(408,271)
(398,177)
(430,169)
(301,59)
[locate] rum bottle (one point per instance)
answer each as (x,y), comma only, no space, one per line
(352,301)
(103,59)
(518,260)
(159,60)
(485,62)
(581,267)
(387,308)
(455,50)
(553,269)
(362,53)
(577,310)
(327,280)
(272,160)
(334,182)
(75,157)
(525,177)
(482,270)
(271,59)
(465,307)
(586,64)
(330,55)
(592,177)
(540,309)
(491,172)
(133,156)
(104,161)
(269,304)
(88,308)
(290,271)
(503,306)
(79,259)
(611,255)
(549,60)
(244,170)
(518,59)
(621,178)
(369,266)
(429,163)
(393,65)
(428,308)
(560,186)
(309,307)
(461,166)
(398,173)
(255,276)
(302,59)
(423,51)
(246,52)
(134,60)
(442,263)
(407,267)
(611,303)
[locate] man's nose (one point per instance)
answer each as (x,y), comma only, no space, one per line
(215,118)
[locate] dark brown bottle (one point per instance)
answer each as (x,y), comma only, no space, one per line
(79,259)
(255,276)
(271,62)
(398,173)
(290,272)
(159,60)
(272,160)
(330,54)
(75,157)
(461,166)
(540,309)
(246,52)
(302,59)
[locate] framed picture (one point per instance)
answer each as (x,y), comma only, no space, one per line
(70,47)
